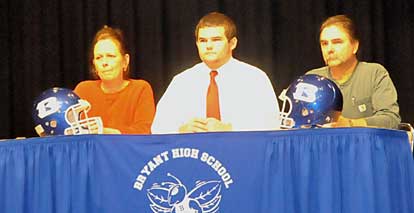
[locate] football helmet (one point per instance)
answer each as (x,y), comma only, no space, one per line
(59,111)
(310,101)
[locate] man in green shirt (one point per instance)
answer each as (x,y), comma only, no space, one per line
(369,95)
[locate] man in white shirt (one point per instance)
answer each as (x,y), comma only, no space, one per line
(246,99)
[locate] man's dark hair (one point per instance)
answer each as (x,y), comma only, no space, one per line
(216,19)
(343,22)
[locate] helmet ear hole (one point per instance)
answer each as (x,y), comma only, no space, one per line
(314,101)
(53,123)
(305,112)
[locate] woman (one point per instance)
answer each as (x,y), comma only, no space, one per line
(125,105)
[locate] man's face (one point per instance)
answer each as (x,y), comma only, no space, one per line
(336,45)
(109,62)
(213,47)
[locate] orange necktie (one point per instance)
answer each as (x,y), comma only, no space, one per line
(213,106)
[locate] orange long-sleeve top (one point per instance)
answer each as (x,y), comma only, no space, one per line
(130,110)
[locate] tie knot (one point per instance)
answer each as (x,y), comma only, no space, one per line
(213,74)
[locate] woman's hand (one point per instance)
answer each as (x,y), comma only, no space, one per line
(107,130)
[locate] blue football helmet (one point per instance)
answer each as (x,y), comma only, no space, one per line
(313,101)
(59,111)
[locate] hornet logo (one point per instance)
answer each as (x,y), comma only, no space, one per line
(173,197)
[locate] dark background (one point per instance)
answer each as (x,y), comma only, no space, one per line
(45,43)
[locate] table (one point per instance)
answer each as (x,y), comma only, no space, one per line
(305,170)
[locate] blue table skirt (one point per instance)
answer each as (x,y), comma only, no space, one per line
(311,170)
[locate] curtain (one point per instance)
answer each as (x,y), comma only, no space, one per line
(46,43)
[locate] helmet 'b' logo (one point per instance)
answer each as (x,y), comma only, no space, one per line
(47,107)
(305,92)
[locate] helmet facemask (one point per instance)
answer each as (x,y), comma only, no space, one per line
(80,123)
(285,121)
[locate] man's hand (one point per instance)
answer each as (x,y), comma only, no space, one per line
(194,125)
(204,125)
(347,122)
(214,125)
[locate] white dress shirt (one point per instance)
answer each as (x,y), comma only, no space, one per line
(246,96)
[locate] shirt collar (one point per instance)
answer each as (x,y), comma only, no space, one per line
(347,81)
(221,69)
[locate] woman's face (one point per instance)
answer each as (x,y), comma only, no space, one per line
(108,61)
